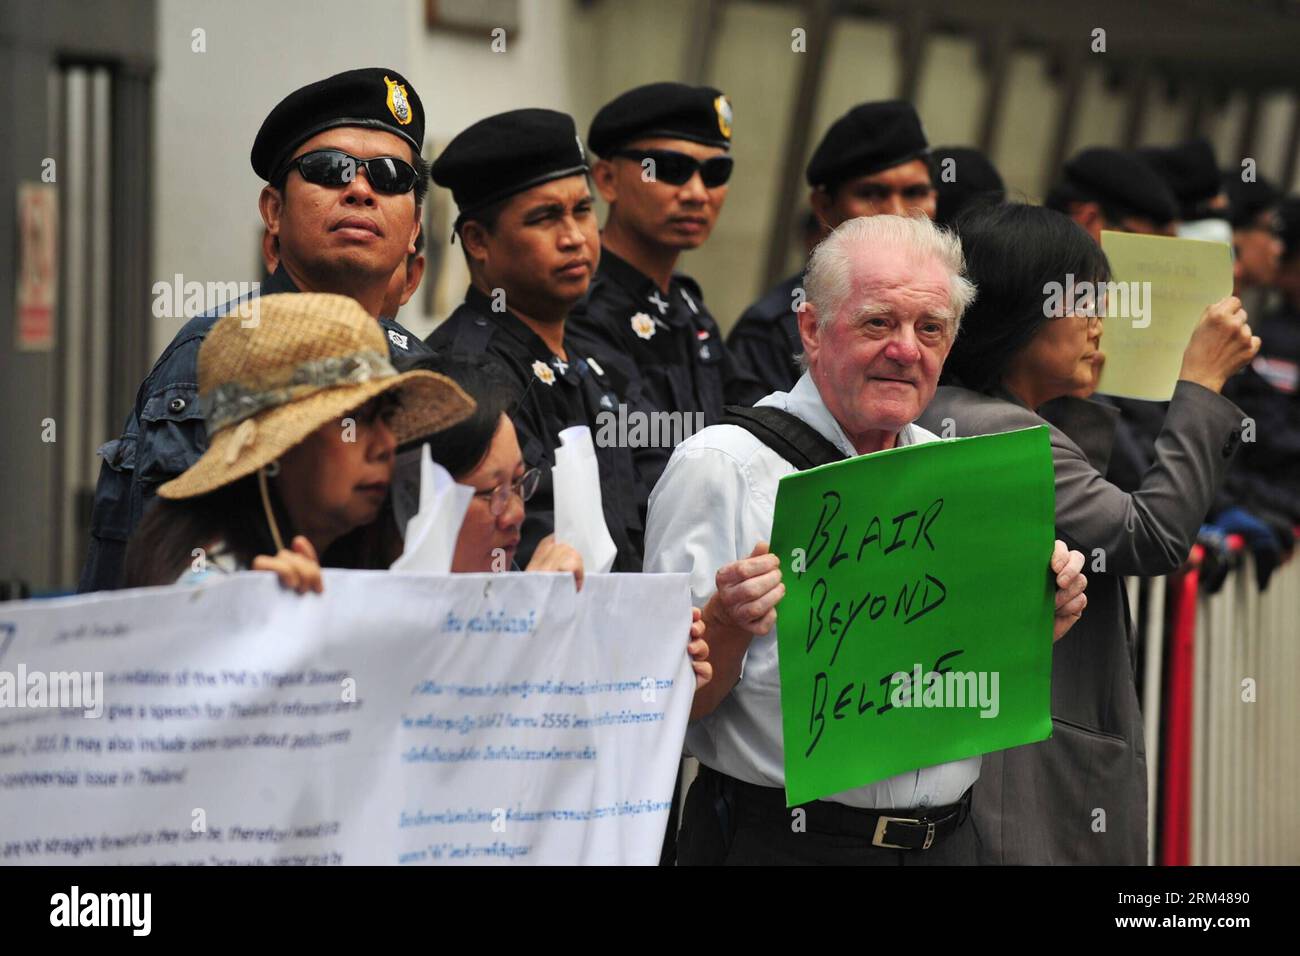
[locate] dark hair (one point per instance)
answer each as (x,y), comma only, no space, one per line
(1012,252)
(162,546)
(486,216)
(460,448)
(422,169)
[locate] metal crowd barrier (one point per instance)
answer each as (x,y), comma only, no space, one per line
(1222,715)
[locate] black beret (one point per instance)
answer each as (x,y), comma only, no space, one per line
(700,114)
(375,98)
(868,138)
(1117,179)
(508,153)
(1189,170)
(975,179)
(1247,200)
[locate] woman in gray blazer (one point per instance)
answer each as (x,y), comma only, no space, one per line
(1080,796)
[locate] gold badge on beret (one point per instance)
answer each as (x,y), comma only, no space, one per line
(398,104)
(723,106)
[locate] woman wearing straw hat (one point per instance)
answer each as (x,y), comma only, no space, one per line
(304,413)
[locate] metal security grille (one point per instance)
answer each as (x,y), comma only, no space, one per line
(82,102)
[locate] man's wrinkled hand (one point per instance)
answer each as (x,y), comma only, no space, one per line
(747,592)
(1067,565)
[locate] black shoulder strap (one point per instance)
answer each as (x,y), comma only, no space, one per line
(792,438)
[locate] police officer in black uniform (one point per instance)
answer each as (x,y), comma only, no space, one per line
(663,170)
(345,182)
(1116,189)
(530,237)
(874,160)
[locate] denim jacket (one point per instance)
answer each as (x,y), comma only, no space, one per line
(164,435)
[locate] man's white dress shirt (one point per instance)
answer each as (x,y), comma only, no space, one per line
(714,502)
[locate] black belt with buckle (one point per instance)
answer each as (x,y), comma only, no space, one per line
(888,829)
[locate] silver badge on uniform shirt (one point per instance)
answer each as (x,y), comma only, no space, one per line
(398,339)
(607,401)
(660,304)
(704,352)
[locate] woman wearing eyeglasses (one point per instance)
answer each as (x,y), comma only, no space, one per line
(483,452)
(1021,344)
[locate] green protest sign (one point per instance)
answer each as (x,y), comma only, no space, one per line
(916,627)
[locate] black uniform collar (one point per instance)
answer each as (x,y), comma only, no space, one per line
(637,283)
(514,326)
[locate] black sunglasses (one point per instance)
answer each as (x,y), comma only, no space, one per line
(677,168)
(333,167)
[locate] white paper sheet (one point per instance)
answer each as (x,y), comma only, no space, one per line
(579,516)
(430,533)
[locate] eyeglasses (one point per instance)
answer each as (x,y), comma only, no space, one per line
(1089,313)
(498,498)
(333,167)
(676,168)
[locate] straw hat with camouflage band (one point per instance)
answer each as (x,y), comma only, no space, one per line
(280,367)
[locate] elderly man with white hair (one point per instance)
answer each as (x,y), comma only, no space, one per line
(885,299)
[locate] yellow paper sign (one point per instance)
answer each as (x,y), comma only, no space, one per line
(1159,288)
